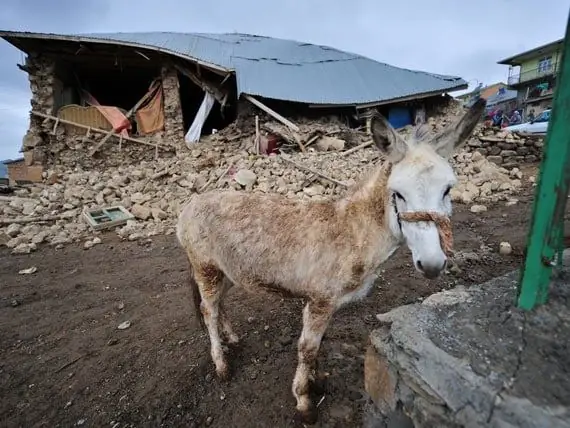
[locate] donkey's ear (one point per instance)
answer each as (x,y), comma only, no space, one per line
(458,133)
(387,139)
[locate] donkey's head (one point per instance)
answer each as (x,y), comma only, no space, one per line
(419,184)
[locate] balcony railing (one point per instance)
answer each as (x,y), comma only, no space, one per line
(535,73)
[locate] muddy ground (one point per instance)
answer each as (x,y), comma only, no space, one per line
(64,362)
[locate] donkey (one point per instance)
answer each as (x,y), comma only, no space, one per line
(325,252)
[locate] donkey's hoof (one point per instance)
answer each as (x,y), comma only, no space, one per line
(223,372)
(307,417)
(319,385)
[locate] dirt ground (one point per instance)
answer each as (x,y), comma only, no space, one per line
(64,362)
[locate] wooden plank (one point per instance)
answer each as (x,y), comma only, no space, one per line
(272,113)
(355,149)
(313,171)
(102,131)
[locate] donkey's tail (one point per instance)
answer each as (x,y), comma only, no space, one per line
(196,298)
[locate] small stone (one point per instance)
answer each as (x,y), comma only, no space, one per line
(14,303)
(124,325)
(245,177)
(13,230)
(28,271)
(478,209)
(112,342)
(505,248)
(141,212)
(158,214)
(87,245)
(96,240)
(315,190)
(24,248)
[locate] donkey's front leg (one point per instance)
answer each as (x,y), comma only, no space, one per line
(316,318)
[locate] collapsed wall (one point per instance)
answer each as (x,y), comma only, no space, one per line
(49,143)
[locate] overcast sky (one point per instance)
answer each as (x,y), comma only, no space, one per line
(440,36)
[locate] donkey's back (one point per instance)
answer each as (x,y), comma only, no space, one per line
(267,240)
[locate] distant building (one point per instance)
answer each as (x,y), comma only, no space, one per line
(485,91)
(533,75)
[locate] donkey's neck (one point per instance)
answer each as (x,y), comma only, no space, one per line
(369,201)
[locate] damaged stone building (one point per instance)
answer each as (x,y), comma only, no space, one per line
(108,97)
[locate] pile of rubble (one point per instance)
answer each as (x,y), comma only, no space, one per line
(155,191)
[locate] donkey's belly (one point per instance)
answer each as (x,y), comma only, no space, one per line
(360,292)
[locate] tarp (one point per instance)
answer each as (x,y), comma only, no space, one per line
(116,118)
(150,118)
(195,130)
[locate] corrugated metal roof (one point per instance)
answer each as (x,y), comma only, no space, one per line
(285,69)
(501,97)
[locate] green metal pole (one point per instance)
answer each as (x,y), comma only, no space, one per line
(551,194)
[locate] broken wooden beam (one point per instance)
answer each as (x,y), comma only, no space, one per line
(101,131)
(218,94)
(313,171)
(271,112)
(23,220)
(355,149)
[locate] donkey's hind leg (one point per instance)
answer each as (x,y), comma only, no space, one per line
(210,282)
(225,325)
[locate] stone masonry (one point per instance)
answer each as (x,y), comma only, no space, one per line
(42,77)
(173,120)
(470,358)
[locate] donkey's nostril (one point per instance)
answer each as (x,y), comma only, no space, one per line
(420,266)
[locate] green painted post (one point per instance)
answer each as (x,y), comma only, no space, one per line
(544,240)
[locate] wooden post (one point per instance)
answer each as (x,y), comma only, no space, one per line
(551,195)
(257,134)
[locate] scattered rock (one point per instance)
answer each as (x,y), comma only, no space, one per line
(140,211)
(124,325)
(28,271)
(245,177)
(478,209)
(154,191)
(505,248)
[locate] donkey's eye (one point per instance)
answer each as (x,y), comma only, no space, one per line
(399,196)
(446,192)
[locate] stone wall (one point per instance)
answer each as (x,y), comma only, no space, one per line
(173,120)
(506,149)
(41,75)
(468,358)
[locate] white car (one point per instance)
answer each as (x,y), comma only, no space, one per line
(537,126)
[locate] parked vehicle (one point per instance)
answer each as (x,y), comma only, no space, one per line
(536,126)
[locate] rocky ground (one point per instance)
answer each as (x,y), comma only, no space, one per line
(107,337)
(97,326)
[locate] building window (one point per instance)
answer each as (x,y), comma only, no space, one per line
(545,64)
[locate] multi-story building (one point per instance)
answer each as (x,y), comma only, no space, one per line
(533,75)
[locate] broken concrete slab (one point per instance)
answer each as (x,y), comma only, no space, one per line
(469,357)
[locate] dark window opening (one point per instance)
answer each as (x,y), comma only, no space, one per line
(116,87)
(191,97)
(120,87)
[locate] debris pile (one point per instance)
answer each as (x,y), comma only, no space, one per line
(154,191)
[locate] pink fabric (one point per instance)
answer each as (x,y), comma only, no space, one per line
(116,118)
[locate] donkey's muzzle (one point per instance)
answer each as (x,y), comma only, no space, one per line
(431,271)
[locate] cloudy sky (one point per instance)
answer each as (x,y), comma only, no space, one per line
(440,36)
